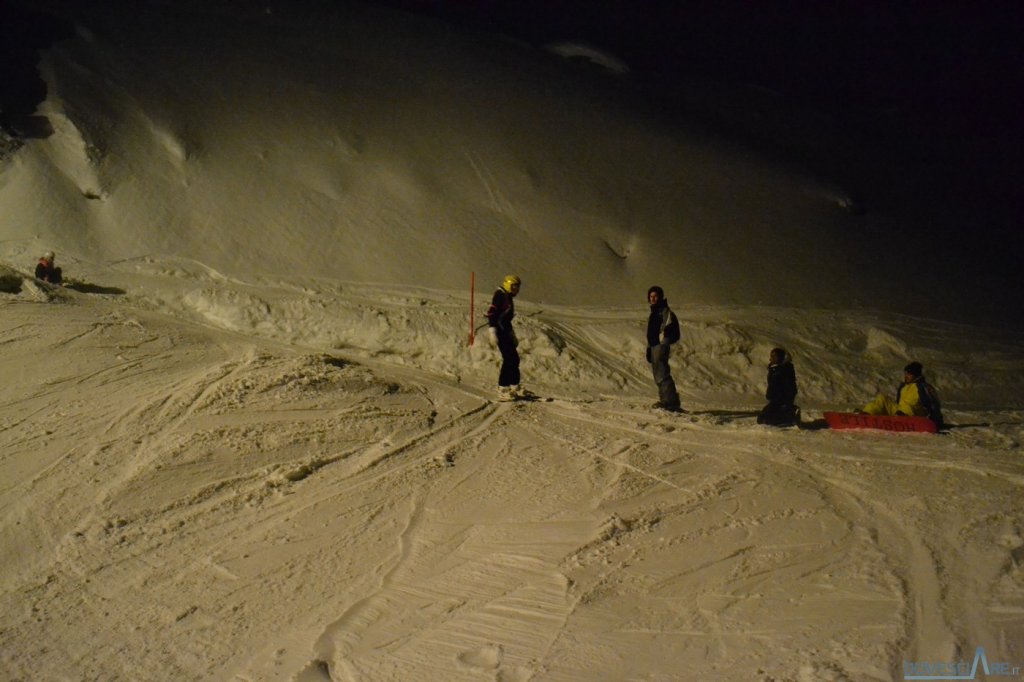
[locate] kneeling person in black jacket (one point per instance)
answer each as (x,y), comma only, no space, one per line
(781,394)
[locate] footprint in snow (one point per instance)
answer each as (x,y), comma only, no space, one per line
(484,658)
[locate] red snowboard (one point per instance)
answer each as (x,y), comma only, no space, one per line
(849,420)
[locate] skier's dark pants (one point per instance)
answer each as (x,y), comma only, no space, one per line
(779,414)
(509,375)
(667,395)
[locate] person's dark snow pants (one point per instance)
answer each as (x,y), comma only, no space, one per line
(667,395)
(509,374)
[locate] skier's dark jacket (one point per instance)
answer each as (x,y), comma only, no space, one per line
(501,312)
(46,272)
(662,325)
(781,383)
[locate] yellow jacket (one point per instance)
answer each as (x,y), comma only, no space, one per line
(908,401)
(917,398)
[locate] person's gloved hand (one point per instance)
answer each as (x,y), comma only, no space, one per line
(492,336)
(649,358)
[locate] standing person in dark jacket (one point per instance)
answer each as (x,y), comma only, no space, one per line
(46,271)
(781,394)
(502,335)
(662,332)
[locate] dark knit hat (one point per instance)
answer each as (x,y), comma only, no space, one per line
(914,369)
(661,292)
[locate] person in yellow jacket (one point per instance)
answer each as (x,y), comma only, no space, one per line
(914,397)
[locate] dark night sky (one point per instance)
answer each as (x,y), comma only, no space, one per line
(951,56)
(953,66)
(941,82)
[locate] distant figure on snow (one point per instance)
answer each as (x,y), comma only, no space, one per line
(502,335)
(46,271)
(662,332)
(781,393)
(914,397)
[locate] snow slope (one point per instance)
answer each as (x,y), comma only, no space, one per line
(250,441)
(362,145)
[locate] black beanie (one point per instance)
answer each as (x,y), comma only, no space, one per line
(914,369)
